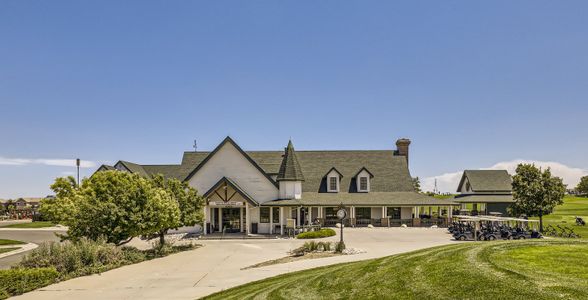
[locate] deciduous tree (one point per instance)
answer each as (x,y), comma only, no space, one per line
(536,192)
(582,187)
(189,202)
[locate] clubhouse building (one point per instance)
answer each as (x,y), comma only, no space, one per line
(265,191)
(485,192)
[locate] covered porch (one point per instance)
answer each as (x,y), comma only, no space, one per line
(376,209)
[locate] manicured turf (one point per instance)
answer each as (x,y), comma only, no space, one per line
(30,225)
(4,250)
(564,215)
(10,242)
(540,269)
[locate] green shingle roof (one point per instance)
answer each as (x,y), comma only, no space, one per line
(487,180)
(390,172)
(290,168)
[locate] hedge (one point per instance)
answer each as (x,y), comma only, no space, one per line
(17,281)
(325,232)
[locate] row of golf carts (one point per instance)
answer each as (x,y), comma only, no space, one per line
(489,228)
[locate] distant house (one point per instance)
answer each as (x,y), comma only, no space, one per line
(261,191)
(21,203)
(488,191)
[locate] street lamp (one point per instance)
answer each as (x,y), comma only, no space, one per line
(341,214)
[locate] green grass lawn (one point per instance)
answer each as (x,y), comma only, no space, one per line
(30,225)
(4,250)
(540,269)
(565,214)
(4,242)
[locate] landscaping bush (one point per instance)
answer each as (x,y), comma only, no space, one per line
(325,232)
(339,247)
(83,257)
(324,246)
(17,281)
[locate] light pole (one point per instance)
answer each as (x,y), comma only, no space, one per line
(341,214)
(78,167)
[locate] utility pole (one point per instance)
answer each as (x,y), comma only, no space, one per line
(78,167)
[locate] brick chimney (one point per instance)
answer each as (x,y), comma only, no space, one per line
(402,147)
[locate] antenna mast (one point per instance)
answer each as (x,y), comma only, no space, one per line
(195,146)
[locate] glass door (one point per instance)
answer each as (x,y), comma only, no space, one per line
(231,219)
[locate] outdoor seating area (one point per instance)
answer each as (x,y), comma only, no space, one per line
(489,228)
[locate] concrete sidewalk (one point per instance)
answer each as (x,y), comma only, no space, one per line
(217,266)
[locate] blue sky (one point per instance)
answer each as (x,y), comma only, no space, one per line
(472,84)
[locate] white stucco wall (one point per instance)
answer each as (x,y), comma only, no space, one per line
(376,212)
(290,189)
(229,162)
(406,212)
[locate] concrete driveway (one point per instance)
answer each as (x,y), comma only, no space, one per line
(217,266)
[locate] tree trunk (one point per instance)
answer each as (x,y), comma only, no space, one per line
(161,238)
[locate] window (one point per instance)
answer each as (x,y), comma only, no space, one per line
(276,215)
(363,184)
(264,214)
(393,212)
(363,212)
(333,184)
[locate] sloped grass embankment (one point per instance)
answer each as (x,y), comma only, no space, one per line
(544,269)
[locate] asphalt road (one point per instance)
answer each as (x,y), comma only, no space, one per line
(31,236)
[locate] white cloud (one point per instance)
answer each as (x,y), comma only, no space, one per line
(448,182)
(45,161)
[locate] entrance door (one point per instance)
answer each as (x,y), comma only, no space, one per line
(231,219)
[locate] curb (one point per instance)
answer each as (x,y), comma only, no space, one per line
(23,248)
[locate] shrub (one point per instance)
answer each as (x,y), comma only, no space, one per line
(339,247)
(298,251)
(17,281)
(311,246)
(325,232)
(325,246)
(80,258)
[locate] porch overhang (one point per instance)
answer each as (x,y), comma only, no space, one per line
(227,182)
(397,199)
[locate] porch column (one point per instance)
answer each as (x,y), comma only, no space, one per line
(205,213)
(281,220)
(309,215)
(449,214)
(298,216)
(383,212)
(247,218)
(241,219)
(220,219)
(271,229)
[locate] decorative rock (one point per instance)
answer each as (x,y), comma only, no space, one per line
(434,226)
(403,226)
(370,226)
(351,251)
(338,225)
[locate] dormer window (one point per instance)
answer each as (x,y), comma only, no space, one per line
(333,180)
(363,178)
(333,184)
(363,184)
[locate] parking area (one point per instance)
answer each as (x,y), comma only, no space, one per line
(218,265)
